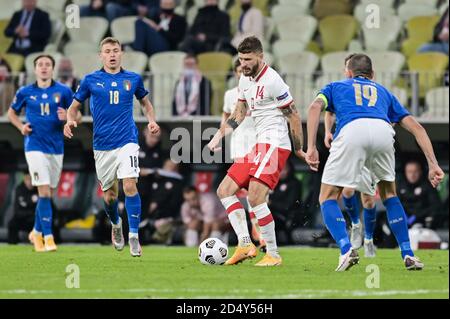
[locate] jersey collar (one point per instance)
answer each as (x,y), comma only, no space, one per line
(261,73)
(103,70)
(51,84)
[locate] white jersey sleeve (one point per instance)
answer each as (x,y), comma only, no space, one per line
(279,90)
(229,102)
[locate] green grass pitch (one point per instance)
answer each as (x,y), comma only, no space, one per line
(175,272)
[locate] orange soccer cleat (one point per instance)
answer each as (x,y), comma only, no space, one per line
(242,253)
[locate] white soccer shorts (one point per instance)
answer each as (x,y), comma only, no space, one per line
(45,169)
(361,143)
(367,183)
(119,163)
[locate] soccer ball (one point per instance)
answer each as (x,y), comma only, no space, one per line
(212,251)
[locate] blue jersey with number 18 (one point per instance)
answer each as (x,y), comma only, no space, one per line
(359,97)
(111,105)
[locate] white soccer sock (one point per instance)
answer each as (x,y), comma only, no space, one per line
(236,215)
(267,226)
(133,235)
(191,238)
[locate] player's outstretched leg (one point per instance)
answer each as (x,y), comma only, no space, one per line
(110,204)
(256,231)
(397,221)
(257,199)
(335,223)
(133,207)
(238,220)
(370,218)
(352,206)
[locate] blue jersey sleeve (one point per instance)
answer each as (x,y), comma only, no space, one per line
(83,91)
(140,92)
(19,100)
(396,111)
(67,98)
(326,96)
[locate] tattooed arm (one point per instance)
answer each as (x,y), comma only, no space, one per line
(295,128)
(228,126)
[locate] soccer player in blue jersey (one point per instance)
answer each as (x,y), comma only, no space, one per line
(116,148)
(45,103)
(364,137)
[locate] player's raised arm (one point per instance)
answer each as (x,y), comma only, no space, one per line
(329,120)
(150,114)
(435,173)
(312,155)
(73,118)
(295,128)
(229,125)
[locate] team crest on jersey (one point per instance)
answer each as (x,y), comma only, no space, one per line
(114,84)
(44,96)
(57,97)
(127,85)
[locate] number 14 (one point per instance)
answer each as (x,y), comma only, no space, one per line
(369,92)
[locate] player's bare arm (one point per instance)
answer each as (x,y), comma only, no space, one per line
(435,173)
(232,123)
(73,118)
(329,120)
(312,155)
(295,129)
(150,114)
(24,129)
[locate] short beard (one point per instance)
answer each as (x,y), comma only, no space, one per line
(254,70)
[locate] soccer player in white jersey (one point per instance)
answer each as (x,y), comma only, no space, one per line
(242,141)
(45,103)
(364,137)
(266,95)
(116,150)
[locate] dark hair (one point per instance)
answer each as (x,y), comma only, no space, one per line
(110,40)
(236,64)
(359,64)
(250,45)
(189,189)
(48,56)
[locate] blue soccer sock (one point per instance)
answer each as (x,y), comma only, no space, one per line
(112,211)
(397,221)
(352,206)
(37,221)
(370,218)
(335,222)
(133,207)
(44,207)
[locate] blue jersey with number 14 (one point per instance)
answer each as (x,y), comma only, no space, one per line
(356,98)
(111,104)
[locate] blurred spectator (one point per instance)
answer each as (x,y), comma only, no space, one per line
(65,74)
(251,23)
(163,33)
(284,201)
(30,29)
(193,91)
(440,37)
(120,8)
(97,8)
(151,154)
(420,200)
(25,202)
(148,8)
(164,202)
(204,216)
(210,30)
(6,86)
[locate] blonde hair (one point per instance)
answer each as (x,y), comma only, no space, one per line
(110,40)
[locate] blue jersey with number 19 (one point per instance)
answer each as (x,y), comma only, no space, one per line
(41,112)
(359,97)
(111,105)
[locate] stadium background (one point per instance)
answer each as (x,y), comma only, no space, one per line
(307,60)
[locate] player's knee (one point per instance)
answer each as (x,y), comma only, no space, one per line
(44,191)
(368,201)
(223,191)
(129,187)
(348,192)
(109,197)
(255,199)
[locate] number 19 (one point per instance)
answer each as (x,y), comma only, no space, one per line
(369,92)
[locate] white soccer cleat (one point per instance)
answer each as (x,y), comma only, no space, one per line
(117,236)
(356,238)
(135,247)
(348,260)
(413,263)
(369,248)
